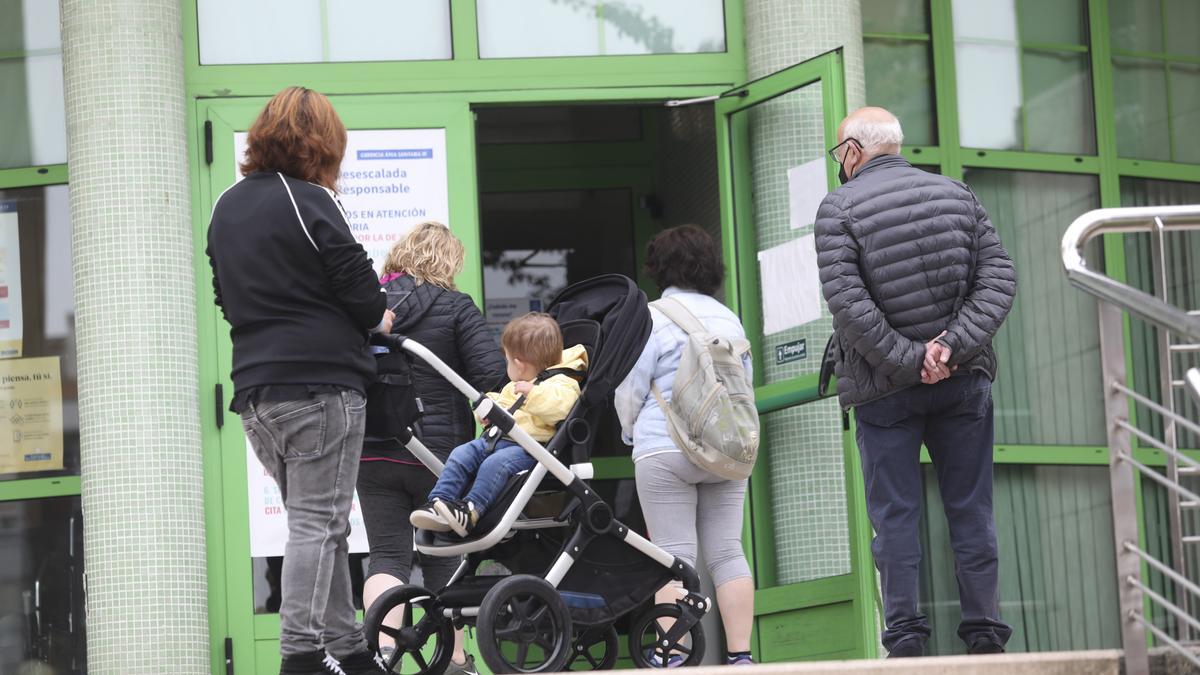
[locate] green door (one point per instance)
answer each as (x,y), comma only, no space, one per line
(398,149)
(810,539)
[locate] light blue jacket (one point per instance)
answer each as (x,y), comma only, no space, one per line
(643,423)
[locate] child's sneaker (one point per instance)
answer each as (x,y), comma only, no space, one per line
(428,518)
(656,660)
(460,516)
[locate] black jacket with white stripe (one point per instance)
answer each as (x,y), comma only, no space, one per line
(298,291)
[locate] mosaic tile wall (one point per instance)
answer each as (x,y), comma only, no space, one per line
(803,445)
(143,497)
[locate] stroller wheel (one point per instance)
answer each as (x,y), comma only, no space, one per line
(651,644)
(594,649)
(423,641)
(524,627)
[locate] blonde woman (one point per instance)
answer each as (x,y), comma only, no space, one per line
(419,279)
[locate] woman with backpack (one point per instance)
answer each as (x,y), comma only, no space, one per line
(419,279)
(687,505)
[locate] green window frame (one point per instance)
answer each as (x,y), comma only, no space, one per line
(1166,60)
(56,486)
(895,40)
(466,71)
(951,159)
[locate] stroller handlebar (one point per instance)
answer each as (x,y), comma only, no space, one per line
(389,340)
(399,342)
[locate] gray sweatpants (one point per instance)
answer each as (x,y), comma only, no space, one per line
(682,503)
(312,447)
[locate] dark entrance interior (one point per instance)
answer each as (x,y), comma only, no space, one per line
(568,192)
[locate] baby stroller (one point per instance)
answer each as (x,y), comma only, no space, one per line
(575,568)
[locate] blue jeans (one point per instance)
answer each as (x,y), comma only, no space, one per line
(490,471)
(953,418)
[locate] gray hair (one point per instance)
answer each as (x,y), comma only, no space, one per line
(876,136)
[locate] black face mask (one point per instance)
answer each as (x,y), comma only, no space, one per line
(842,177)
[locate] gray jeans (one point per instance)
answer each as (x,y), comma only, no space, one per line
(312,447)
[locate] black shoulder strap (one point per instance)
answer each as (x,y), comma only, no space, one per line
(551,372)
(493,434)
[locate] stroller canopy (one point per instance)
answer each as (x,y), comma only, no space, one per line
(619,306)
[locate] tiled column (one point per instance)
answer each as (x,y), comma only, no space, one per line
(803,445)
(143,499)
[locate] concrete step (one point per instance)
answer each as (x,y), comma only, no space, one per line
(1099,662)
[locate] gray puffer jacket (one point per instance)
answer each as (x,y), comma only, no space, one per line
(904,255)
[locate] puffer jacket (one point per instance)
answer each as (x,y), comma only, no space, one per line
(904,255)
(452,327)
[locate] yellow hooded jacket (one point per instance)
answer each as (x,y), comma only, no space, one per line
(549,401)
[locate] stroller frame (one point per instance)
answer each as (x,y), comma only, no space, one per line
(595,516)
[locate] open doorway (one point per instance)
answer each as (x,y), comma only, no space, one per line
(569,192)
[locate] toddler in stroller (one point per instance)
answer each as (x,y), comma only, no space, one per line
(542,391)
(576,569)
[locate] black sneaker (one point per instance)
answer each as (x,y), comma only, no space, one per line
(428,518)
(459,515)
(308,663)
(364,663)
(984,645)
(909,648)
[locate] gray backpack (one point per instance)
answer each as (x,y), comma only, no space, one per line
(711,415)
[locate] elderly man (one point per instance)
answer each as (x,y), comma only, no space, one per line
(918,285)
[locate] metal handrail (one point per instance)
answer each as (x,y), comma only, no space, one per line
(1116,299)
(1145,220)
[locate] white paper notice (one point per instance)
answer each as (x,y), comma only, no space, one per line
(499,311)
(11,325)
(807,186)
(268,519)
(391,180)
(791,285)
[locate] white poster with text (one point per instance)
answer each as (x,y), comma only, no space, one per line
(11,314)
(391,180)
(268,519)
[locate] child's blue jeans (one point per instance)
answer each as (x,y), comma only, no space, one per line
(491,472)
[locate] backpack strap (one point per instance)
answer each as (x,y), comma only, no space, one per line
(679,314)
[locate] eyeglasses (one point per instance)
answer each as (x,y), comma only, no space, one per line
(833,152)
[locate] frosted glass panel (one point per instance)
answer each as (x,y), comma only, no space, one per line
(895,16)
(1183,25)
(1061,21)
(524,28)
(32,111)
(1048,389)
(47,110)
(989,96)
(30,25)
(1140,98)
(900,78)
(1136,25)
(1185,112)
(367,30)
(291,31)
(1058,103)
(993,20)
(259,31)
